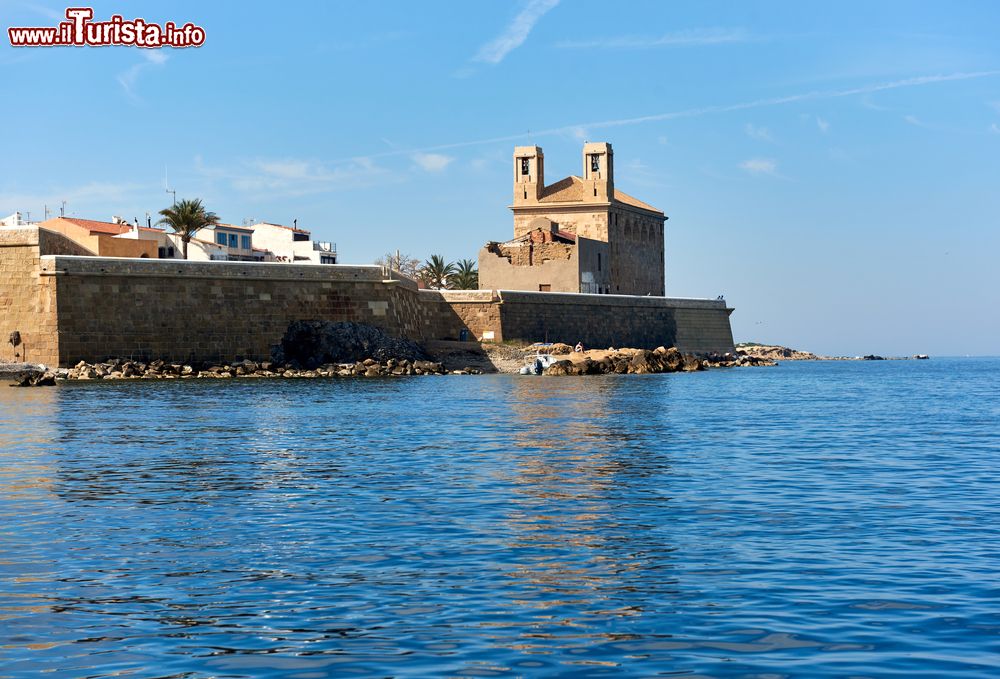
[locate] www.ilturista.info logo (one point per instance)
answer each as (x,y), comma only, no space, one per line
(80,31)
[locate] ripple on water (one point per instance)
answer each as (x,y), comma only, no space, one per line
(811,520)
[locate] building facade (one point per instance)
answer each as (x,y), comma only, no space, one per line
(291,244)
(591,208)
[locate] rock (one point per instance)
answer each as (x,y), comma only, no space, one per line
(691,364)
(639,365)
(429,367)
(560,368)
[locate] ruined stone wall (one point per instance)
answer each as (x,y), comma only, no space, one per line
(27,301)
(587,222)
(616,320)
(559,273)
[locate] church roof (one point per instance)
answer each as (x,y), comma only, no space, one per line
(572,190)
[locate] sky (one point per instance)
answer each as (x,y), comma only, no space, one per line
(833,170)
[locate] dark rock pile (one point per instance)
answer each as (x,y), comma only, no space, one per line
(738,360)
(121,369)
(628,361)
(311,344)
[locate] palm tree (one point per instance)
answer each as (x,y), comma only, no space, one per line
(435,272)
(187,218)
(466,276)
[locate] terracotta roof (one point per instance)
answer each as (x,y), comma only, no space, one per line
(95,226)
(635,202)
(572,189)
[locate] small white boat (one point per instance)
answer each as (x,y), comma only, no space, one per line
(538,364)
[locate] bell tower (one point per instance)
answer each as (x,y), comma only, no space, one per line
(599,170)
(529,174)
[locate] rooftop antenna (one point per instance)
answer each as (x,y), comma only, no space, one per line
(62,209)
(46,212)
(149,221)
(166,185)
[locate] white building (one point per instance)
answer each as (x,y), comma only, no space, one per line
(292,244)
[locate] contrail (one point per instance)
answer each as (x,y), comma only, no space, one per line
(696,112)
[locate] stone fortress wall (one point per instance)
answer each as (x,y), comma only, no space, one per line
(69,308)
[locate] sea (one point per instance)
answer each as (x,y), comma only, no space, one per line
(813,519)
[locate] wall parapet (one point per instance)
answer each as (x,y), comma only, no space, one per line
(21,236)
(56,265)
(610,300)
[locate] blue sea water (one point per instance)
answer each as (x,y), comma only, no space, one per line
(813,519)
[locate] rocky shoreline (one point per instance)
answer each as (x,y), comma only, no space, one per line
(774,352)
(121,369)
(320,349)
(593,362)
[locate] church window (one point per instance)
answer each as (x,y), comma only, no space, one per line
(524,166)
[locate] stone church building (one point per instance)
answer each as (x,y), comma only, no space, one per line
(579,234)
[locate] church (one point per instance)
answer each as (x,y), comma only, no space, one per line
(579,234)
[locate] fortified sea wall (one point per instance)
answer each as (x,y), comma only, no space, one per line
(69,308)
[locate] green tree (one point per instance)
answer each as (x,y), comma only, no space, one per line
(187,218)
(435,273)
(466,276)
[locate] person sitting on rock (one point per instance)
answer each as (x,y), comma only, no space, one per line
(578,348)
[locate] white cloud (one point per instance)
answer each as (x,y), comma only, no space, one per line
(994,128)
(761,133)
(760,166)
(516,32)
(689,38)
(295,177)
(815,95)
(432,162)
(129,77)
(822,124)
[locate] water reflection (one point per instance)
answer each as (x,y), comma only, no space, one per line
(580,552)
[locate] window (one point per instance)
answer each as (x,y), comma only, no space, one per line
(170,251)
(161,253)
(234,242)
(598,261)
(327,259)
(221,238)
(595,162)
(525,165)
(544,287)
(245,242)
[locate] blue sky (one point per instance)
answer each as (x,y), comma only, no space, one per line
(833,169)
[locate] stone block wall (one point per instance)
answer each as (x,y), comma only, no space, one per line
(27,301)
(183,310)
(447,312)
(72,308)
(616,320)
